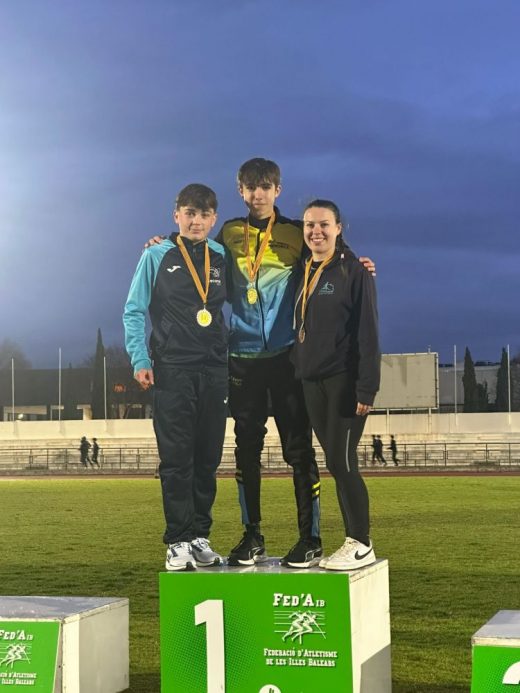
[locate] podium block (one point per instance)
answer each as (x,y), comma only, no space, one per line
(496,655)
(64,644)
(269,629)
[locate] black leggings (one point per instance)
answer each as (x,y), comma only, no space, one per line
(331,404)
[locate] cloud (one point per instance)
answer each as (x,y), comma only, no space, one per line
(409,121)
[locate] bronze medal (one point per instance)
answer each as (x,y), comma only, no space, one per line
(204,317)
(308,287)
(252,295)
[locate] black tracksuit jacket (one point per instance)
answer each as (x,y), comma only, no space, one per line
(341,333)
(163,286)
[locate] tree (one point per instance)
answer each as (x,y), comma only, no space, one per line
(469,380)
(122,390)
(476,396)
(70,409)
(10,350)
(116,358)
(98,382)
(482,397)
(502,398)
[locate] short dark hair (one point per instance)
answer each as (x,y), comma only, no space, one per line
(198,196)
(257,171)
(326,204)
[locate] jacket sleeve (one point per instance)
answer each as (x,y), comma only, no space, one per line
(229,265)
(136,308)
(369,371)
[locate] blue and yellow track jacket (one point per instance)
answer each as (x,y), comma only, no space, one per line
(163,286)
(267,325)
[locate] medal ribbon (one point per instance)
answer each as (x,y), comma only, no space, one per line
(252,269)
(203,293)
(309,286)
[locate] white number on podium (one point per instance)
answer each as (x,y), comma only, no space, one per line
(512,675)
(211,612)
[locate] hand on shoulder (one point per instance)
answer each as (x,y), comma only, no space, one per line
(368,264)
(154,240)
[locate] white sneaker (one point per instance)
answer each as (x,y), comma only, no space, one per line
(351,556)
(204,554)
(179,556)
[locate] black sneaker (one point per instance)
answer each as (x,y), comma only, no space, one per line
(249,550)
(304,554)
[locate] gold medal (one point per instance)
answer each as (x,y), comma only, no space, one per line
(253,267)
(252,295)
(301,334)
(204,317)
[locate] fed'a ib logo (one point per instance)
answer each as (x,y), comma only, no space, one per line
(13,654)
(298,616)
(14,647)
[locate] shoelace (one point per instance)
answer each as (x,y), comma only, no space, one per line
(202,544)
(181,545)
(348,546)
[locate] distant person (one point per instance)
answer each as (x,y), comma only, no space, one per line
(393,448)
(379,450)
(337,357)
(95,452)
(84,447)
(374,449)
(181,283)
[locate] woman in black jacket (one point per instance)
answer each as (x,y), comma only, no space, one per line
(337,356)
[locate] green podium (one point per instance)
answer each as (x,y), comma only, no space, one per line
(266,629)
(64,644)
(496,655)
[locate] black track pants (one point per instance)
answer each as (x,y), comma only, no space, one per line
(190,410)
(250,381)
(331,403)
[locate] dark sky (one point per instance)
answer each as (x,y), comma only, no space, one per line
(405,112)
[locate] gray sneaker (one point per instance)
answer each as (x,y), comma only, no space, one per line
(203,554)
(179,556)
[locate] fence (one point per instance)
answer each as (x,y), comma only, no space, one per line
(144,459)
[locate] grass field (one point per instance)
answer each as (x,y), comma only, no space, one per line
(452,543)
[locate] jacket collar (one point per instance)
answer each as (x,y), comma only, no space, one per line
(261,224)
(187,242)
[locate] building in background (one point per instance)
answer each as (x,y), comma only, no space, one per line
(410,382)
(37,395)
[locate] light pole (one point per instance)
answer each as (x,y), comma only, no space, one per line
(455,375)
(105,383)
(508,381)
(12,388)
(59,384)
